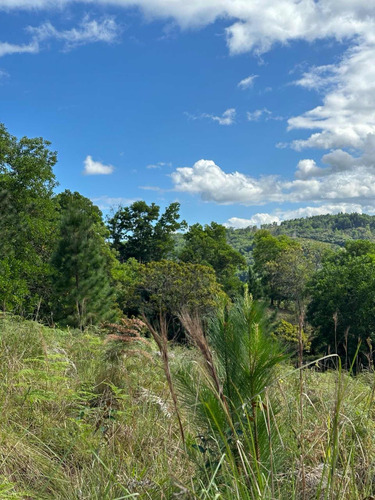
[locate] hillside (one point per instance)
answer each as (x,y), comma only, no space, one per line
(87,417)
(318,232)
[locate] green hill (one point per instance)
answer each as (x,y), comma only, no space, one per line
(318,232)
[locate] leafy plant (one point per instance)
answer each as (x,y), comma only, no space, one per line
(227,393)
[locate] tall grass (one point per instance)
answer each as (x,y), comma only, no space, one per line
(84,417)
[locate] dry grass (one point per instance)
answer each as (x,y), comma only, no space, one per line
(79,424)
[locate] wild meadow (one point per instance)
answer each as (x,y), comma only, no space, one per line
(91,415)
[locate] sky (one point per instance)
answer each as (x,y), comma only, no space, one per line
(244,111)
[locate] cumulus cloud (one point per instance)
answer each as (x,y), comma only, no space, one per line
(336,181)
(253,26)
(213,184)
(247,83)
(308,168)
(256,220)
(278,216)
(96,168)
(346,117)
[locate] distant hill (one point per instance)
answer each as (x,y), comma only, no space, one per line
(319,231)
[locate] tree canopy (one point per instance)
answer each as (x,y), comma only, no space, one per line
(28,219)
(208,246)
(342,303)
(82,279)
(139,231)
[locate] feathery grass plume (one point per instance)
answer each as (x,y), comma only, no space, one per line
(161,339)
(124,337)
(239,360)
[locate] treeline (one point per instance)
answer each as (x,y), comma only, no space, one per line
(334,230)
(61,263)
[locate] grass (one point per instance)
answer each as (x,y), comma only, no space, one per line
(84,418)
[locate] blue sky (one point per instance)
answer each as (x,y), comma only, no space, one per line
(244,112)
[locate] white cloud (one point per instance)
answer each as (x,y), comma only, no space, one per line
(89,31)
(346,117)
(96,168)
(254,116)
(259,219)
(213,184)
(11,48)
(264,113)
(337,182)
(247,83)
(227,118)
(254,25)
(151,188)
(255,220)
(308,168)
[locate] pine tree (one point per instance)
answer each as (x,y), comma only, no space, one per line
(82,264)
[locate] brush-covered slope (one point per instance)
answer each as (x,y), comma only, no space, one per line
(318,232)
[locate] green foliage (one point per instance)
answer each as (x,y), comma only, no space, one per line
(77,422)
(208,246)
(127,278)
(227,393)
(74,424)
(82,263)
(27,220)
(169,286)
(254,283)
(343,300)
(283,266)
(334,229)
(289,334)
(138,231)
(316,234)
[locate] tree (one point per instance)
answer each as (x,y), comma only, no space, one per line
(139,231)
(175,286)
(254,283)
(282,265)
(28,220)
(208,246)
(127,277)
(82,263)
(342,305)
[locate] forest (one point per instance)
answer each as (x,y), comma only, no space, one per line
(145,358)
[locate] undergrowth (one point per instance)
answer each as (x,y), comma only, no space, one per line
(87,417)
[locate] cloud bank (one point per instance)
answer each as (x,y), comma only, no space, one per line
(344,178)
